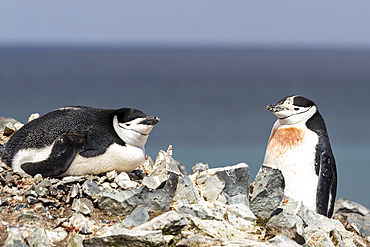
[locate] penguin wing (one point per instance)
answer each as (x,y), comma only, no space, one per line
(64,150)
(327,185)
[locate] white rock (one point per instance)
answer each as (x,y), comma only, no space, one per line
(33,117)
(123,180)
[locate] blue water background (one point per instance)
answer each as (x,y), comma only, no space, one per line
(211,101)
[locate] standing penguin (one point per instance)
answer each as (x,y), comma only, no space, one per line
(299,146)
(80,140)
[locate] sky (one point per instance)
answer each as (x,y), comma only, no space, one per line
(284,23)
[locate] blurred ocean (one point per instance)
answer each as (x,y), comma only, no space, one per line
(211,101)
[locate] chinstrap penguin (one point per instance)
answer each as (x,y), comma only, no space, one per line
(299,146)
(80,140)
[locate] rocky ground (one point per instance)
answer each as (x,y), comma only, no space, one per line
(159,205)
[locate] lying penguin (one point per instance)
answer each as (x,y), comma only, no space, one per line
(299,146)
(80,140)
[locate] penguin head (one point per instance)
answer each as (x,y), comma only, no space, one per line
(133,126)
(293,109)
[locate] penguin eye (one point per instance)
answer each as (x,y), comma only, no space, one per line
(127,124)
(296,109)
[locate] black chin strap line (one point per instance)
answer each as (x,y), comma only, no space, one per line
(295,114)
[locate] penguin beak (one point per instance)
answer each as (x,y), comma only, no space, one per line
(150,121)
(276,108)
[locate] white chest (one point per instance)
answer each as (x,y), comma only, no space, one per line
(292,150)
(116,157)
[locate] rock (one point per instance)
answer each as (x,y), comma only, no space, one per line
(199,167)
(137,217)
(124,237)
(186,190)
(319,230)
(75,240)
(355,222)
(242,211)
(20,206)
(218,229)
(80,207)
(29,216)
(33,117)
(158,200)
(169,223)
(165,163)
(39,238)
(288,225)
(198,240)
(71,179)
(268,191)
(15,238)
(346,206)
(153,182)
(196,210)
(4,121)
(283,241)
(123,181)
(90,188)
(75,191)
(213,188)
(56,235)
(84,225)
(9,129)
(111,175)
(234,183)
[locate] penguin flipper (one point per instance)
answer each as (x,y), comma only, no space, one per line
(65,149)
(327,185)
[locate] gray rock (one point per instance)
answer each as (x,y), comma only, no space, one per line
(186,190)
(236,179)
(15,239)
(170,223)
(41,190)
(197,210)
(318,229)
(90,188)
(137,217)
(20,206)
(79,207)
(199,167)
(158,200)
(283,241)
(164,163)
(75,191)
(288,224)
(127,238)
(356,222)
(346,206)
(39,238)
(268,191)
(242,211)
(213,188)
